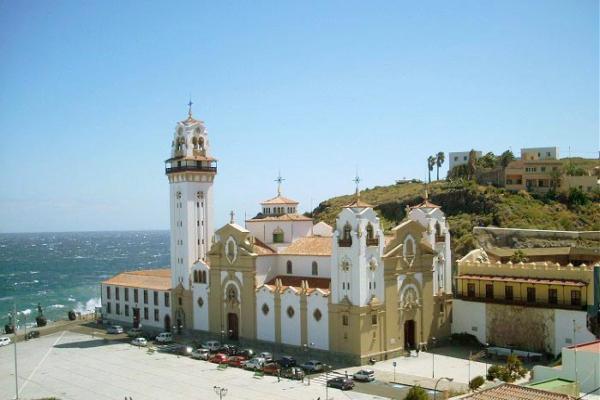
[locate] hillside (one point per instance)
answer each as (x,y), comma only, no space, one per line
(467,205)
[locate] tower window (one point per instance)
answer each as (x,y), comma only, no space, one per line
(289,267)
(345,320)
(278,235)
(315,268)
(346,240)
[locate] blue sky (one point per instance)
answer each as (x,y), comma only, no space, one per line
(90,93)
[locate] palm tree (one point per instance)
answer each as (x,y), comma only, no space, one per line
(439,160)
(430,164)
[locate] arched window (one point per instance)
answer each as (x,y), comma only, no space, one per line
(315,268)
(195,276)
(438,232)
(371,240)
(278,235)
(288,267)
(204,280)
(409,249)
(346,240)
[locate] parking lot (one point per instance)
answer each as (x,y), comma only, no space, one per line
(71,365)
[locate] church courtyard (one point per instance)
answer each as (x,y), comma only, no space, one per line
(76,365)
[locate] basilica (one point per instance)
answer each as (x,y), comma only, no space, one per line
(279,277)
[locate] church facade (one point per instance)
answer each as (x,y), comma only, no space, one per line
(280,278)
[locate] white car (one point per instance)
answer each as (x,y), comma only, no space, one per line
(164,337)
(135,332)
(139,341)
(266,355)
(364,375)
(211,345)
(114,329)
(200,354)
(4,341)
(254,363)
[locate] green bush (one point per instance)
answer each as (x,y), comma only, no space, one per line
(416,393)
(476,382)
(510,372)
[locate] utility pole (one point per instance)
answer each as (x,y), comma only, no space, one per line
(575,349)
(15,349)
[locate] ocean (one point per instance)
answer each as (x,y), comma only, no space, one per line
(63,271)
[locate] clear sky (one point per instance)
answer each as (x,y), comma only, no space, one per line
(90,92)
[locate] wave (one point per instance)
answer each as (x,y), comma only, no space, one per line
(89,306)
(6,298)
(34,272)
(71,299)
(56,306)
(27,311)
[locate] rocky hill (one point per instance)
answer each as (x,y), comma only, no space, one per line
(467,205)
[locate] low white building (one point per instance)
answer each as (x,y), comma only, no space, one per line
(539,153)
(457,158)
(580,363)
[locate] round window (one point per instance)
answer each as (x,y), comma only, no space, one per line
(200,301)
(290,312)
(317,315)
(265,309)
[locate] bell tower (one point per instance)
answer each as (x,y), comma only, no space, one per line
(191,172)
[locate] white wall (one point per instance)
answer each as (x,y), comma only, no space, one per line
(200,313)
(563,329)
(467,315)
(263,230)
(265,324)
(113,316)
(302,265)
(460,158)
(318,331)
(290,327)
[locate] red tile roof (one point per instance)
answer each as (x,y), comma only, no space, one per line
(157,279)
(507,391)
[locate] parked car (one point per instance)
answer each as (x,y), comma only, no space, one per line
(211,345)
(364,375)
(135,332)
(248,353)
(229,349)
(271,368)
(200,354)
(219,358)
(287,362)
(266,355)
(114,329)
(164,337)
(292,373)
(255,363)
(341,383)
(4,341)
(236,361)
(313,366)
(184,350)
(139,341)
(32,335)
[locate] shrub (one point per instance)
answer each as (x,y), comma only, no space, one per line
(510,372)
(476,382)
(416,393)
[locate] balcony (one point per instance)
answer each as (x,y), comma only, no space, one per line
(521,301)
(194,166)
(373,242)
(345,242)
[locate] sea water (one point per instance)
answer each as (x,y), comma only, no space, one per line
(63,271)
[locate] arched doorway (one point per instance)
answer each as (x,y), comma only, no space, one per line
(167,323)
(232,326)
(409,334)
(179,320)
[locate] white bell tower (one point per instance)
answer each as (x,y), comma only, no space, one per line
(191,172)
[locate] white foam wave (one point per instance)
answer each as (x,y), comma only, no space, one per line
(89,306)
(71,298)
(56,306)
(26,311)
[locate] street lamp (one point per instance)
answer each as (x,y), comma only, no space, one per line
(222,336)
(436,384)
(221,391)
(433,340)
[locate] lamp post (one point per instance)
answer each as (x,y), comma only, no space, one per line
(486,356)
(433,340)
(14,322)
(222,336)
(220,391)
(326,383)
(443,378)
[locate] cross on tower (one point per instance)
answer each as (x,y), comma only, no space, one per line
(356,180)
(232,214)
(279,180)
(190,108)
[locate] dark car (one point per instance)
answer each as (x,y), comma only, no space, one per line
(248,353)
(287,362)
(292,373)
(341,383)
(32,335)
(229,349)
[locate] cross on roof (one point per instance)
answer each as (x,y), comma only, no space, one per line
(279,180)
(190,108)
(232,214)
(356,180)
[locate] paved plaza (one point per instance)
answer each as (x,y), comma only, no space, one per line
(74,366)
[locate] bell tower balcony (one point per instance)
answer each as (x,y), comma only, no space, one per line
(197,164)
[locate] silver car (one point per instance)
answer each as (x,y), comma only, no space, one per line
(364,375)
(114,329)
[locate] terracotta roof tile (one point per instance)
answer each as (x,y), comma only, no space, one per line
(310,246)
(156,279)
(261,248)
(509,391)
(279,200)
(283,217)
(296,281)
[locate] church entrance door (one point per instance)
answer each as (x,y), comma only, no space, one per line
(167,323)
(232,326)
(409,334)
